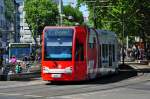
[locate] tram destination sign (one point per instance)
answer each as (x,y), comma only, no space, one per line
(59,32)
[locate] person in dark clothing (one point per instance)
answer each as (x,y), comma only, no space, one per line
(137,53)
(32,57)
(25,58)
(148,54)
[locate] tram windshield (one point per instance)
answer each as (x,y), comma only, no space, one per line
(58,44)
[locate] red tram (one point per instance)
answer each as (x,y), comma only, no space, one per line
(77,53)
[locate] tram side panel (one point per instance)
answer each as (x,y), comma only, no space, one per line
(108,42)
(80,52)
(92,54)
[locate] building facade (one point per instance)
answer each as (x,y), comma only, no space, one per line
(7,25)
(17,23)
(25,32)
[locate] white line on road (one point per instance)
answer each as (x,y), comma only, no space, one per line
(22,84)
(34,96)
(11,94)
(17,94)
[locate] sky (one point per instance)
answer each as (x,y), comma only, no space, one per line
(83,8)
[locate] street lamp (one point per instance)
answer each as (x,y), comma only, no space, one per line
(60,11)
(123,53)
(15,30)
(60,7)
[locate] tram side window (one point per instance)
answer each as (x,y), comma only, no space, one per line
(79,54)
(107,46)
(113,47)
(104,53)
(92,39)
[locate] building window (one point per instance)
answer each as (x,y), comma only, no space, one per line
(1,10)
(0,23)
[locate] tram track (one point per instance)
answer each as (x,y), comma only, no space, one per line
(51,90)
(48,91)
(95,88)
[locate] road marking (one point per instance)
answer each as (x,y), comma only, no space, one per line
(11,94)
(17,94)
(22,84)
(64,97)
(60,97)
(34,96)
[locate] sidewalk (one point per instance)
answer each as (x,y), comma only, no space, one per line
(140,62)
(138,66)
(20,76)
(7,73)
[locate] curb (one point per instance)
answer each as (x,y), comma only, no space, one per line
(20,76)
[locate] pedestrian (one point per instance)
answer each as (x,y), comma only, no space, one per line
(25,59)
(13,60)
(137,53)
(18,68)
(133,52)
(32,57)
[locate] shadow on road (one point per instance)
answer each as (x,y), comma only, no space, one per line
(125,72)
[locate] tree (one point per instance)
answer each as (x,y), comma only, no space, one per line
(125,17)
(40,13)
(114,14)
(77,15)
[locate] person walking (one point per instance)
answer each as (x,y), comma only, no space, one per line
(13,60)
(18,68)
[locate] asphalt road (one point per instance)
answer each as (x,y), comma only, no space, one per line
(128,84)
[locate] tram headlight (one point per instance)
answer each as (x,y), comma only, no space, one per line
(45,69)
(68,70)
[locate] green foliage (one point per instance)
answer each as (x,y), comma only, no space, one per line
(114,14)
(40,13)
(9,10)
(75,13)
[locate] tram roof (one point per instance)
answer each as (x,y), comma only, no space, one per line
(106,32)
(46,27)
(106,37)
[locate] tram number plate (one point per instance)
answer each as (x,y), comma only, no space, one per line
(56,75)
